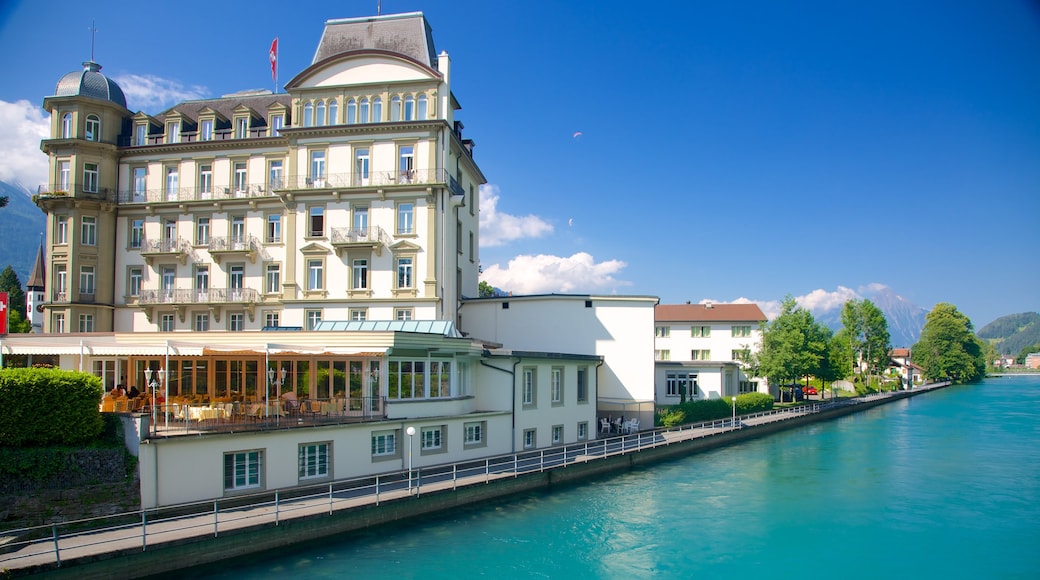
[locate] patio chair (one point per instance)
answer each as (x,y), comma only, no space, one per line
(604,425)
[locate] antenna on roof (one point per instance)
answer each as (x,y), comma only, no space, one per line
(93,31)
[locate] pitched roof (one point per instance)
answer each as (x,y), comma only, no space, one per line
(408,34)
(708,313)
(36,277)
(227,104)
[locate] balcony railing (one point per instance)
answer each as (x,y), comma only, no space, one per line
(226,134)
(359,236)
(372,179)
(164,246)
(199,296)
(53,190)
(197,194)
(221,247)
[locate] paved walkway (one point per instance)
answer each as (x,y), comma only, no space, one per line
(72,545)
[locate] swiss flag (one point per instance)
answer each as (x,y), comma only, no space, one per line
(274,59)
(3,312)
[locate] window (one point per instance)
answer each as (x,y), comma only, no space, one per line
(472,247)
(316,221)
(273,279)
(529,439)
(740,354)
(406,163)
(274,175)
(359,314)
(236,322)
(662,331)
(238,179)
(201,231)
(677,382)
(64,176)
(474,433)
(556,385)
(583,385)
(662,355)
(377,110)
(242,470)
(88,231)
(313,318)
(395,108)
(58,322)
(315,271)
(173,132)
(351,112)
(384,443)
(172,183)
(236,280)
(141,134)
(422,114)
(135,277)
(86,323)
(308,114)
(431,438)
(61,282)
(90,177)
(272,319)
(169,231)
(201,322)
(404,272)
(405,218)
(333,112)
(748,387)
(700,331)
(741,331)
(360,224)
(273,232)
(402,314)
(169,276)
(557,434)
(361,167)
(313,460)
(583,430)
(317,169)
(166,323)
(86,280)
(241,127)
(319,113)
(66,126)
(206,133)
(409,108)
(359,277)
(205,180)
(703,354)
(529,386)
(61,229)
(363,111)
(277,122)
(238,231)
(136,233)
(93,128)
(140,183)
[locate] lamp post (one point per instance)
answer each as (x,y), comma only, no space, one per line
(734,412)
(154,379)
(410,431)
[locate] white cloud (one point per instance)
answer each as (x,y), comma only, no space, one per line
(820,300)
(149,92)
(21,160)
(544,274)
(497,228)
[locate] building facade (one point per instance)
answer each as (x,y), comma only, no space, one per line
(698,349)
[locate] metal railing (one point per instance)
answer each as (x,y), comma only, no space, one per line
(233,244)
(199,296)
(372,235)
(213,193)
(78,191)
(165,246)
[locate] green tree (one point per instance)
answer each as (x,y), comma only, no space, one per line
(793,344)
(3,201)
(868,334)
(838,360)
(486,290)
(948,348)
(16,321)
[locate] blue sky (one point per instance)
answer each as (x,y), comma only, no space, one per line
(727,150)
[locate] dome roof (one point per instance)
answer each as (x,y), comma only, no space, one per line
(89,82)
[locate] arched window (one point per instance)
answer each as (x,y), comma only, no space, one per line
(308,114)
(422,113)
(363,111)
(377,110)
(93,128)
(66,126)
(409,108)
(319,113)
(351,112)
(333,112)
(395,108)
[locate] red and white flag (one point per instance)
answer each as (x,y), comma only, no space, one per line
(274,60)
(4,304)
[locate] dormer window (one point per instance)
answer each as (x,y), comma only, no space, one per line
(141,134)
(66,126)
(93,128)
(277,122)
(173,132)
(241,128)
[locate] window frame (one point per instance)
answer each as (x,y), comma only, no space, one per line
(314,461)
(244,472)
(88,230)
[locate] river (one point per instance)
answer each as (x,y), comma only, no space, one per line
(942,485)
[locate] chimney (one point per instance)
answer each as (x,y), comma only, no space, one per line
(707,304)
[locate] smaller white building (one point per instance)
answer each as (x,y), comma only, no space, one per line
(698,350)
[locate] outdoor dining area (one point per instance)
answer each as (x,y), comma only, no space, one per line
(618,425)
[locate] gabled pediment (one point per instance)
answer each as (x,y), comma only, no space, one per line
(315,249)
(406,246)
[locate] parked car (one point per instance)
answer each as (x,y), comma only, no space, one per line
(810,390)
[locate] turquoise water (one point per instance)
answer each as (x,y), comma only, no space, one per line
(946,484)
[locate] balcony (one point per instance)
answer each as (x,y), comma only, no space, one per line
(197,296)
(165,248)
(185,194)
(373,238)
(221,247)
(372,179)
(59,191)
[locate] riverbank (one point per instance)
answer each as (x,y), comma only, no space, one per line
(162,546)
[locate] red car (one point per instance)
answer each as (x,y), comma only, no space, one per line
(810,390)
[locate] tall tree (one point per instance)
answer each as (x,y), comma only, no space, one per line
(793,344)
(948,348)
(869,338)
(16,320)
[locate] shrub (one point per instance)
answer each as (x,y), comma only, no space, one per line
(48,407)
(670,417)
(754,403)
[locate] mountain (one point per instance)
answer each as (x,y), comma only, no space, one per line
(1010,334)
(21,226)
(905,319)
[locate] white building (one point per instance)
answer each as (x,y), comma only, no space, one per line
(698,349)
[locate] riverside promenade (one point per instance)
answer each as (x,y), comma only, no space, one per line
(153,542)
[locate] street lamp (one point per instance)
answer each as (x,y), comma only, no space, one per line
(410,431)
(153,380)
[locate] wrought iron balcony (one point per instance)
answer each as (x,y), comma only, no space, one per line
(181,194)
(371,179)
(182,296)
(221,247)
(348,238)
(54,190)
(179,248)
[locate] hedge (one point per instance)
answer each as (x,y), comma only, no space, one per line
(711,409)
(48,407)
